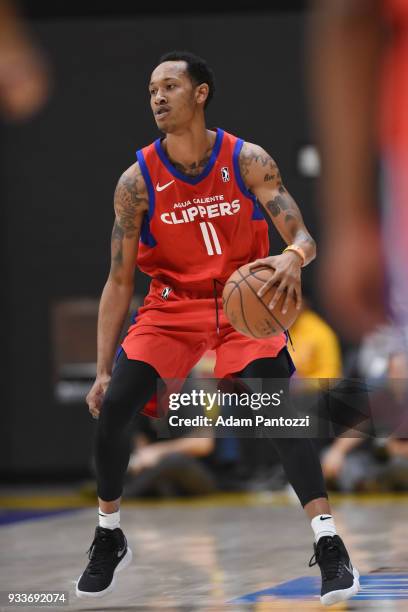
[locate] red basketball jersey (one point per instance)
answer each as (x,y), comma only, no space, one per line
(202,228)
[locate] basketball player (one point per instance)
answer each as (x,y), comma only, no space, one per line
(188,213)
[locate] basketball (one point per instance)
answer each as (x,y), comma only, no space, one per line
(250,314)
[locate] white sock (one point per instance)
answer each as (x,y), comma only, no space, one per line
(109,521)
(323,525)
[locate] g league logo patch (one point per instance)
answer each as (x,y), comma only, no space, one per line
(225,174)
(166,292)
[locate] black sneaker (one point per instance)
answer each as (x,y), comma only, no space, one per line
(339,577)
(108,554)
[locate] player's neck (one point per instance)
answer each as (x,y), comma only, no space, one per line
(190,147)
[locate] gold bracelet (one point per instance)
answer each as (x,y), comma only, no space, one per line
(298,250)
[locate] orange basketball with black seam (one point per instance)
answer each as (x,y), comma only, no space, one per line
(247,312)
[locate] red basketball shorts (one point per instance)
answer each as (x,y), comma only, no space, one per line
(174,328)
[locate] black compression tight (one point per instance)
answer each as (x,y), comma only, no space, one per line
(299,456)
(133,384)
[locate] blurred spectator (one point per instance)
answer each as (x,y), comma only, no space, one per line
(24,80)
(381,354)
(359,77)
(317,352)
(353,464)
(191,462)
(360,464)
(170,467)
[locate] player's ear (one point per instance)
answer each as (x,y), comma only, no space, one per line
(202,93)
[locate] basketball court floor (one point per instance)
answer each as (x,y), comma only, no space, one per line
(239,552)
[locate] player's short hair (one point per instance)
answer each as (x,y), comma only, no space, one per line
(197,68)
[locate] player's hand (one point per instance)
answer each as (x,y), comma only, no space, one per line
(285,274)
(95,396)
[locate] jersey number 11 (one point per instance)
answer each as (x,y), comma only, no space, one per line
(215,244)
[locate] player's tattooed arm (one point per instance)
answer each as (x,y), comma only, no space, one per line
(262,177)
(131,204)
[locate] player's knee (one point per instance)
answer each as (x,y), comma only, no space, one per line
(114,416)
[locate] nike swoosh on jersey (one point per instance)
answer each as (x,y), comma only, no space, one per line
(161,187)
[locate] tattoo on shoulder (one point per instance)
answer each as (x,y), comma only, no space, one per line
(251,155)
(130,199)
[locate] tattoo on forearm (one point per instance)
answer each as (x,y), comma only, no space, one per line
(291,223)
(283,203)
(251,159)
(303,236)
(117,245)
(298,235)
(278,204)
(130,197)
